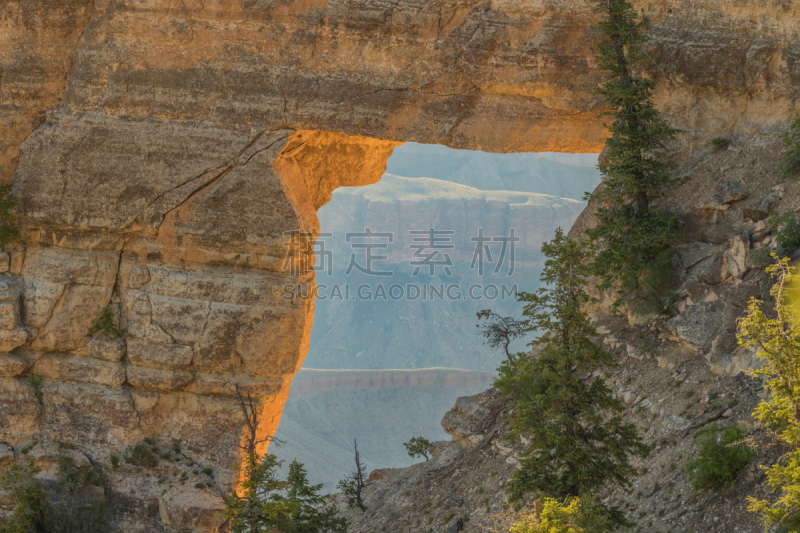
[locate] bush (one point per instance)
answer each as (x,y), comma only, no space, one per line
(775,334)
(790,162)
(579,516)
(762,256)
(36,384)
(418,447)
(73,477)
(720,143)
(105,327)
(718,459)
(35,512)
(114,458)
(141,454)
(787,237)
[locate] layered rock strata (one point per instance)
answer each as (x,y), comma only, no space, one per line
(161,150)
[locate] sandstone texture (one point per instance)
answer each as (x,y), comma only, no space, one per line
(161,151)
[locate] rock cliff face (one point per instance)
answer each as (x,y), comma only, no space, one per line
(160,151)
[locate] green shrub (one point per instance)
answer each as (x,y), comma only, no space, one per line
(74,477)
(787,236)
(720,143)
(200,486)
(719,457)
(36,384)
(790,162)
(761,257)
(141,454)
(114,458)
(105,327)
(34,511)
(208,471)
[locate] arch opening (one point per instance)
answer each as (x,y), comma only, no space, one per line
(394,341)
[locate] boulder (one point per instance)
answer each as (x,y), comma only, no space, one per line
(758,208)
(694,252)
(731,190)
(735,258)
(464,421)
(699,323)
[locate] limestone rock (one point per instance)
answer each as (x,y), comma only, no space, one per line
(108,349)
(729,363)
(6,454)
(169,356)
(712,271)
(154,379)
(176,201)
(699,323)
(732,190)
(10,339)
(693,253)
(463,421)
(9,303)
(80,369)
(735,258)
(11,365)
(80,282)
(758,209)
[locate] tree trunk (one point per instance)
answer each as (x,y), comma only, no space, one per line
(641,201)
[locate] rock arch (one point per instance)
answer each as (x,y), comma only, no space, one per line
(161,150)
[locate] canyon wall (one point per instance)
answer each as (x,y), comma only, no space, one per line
(161,150)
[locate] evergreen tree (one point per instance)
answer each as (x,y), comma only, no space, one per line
(636,164)
(418,447)
(258,505)
(777,338)
(307,515)
(265,503)
(578,440)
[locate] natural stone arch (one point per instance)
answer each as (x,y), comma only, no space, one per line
(183,139)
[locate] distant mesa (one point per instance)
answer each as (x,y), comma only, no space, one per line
(313,381)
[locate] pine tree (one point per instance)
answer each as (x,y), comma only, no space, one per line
(265,503)
(578,440)
(777,338)
(636,164)
(418,447)
(308,515)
